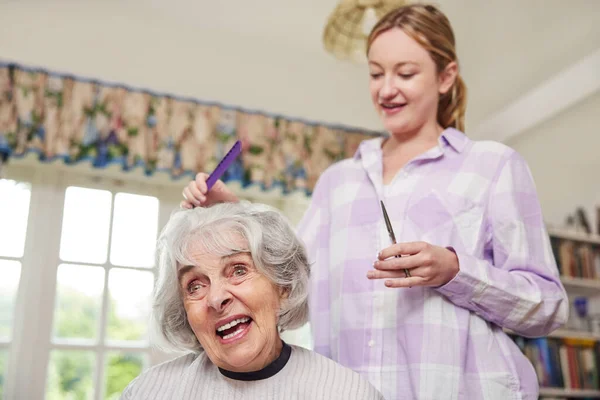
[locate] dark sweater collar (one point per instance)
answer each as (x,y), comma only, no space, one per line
(267,372)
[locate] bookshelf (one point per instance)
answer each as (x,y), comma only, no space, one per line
(575,236)
(581,286)
(574,334)
(567,361)
(568,393)
(567,334)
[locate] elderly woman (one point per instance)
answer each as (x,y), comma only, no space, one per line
(231,278)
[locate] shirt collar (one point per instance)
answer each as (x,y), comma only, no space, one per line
(265,373)
(450,136)
(455,138)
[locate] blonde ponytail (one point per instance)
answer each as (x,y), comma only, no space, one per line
(452,106)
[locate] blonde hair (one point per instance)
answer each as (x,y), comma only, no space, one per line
(429,27)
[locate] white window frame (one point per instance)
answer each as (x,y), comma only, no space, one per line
(10,346)
(30,346)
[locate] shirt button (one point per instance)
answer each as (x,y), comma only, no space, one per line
(371,343)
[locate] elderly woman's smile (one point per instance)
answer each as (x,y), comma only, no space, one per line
(231,307)
(233,328)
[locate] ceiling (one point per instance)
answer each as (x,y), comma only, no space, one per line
(505,47)
(267,54)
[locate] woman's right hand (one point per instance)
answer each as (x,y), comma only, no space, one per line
(195,193)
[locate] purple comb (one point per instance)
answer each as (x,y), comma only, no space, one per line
(224,164)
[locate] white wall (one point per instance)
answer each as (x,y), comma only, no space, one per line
(564,156)
(124,42)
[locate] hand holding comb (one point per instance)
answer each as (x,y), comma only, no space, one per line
(224,164)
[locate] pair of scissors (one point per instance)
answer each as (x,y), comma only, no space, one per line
(390,230)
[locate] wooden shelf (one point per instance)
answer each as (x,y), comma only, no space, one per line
(573,334)
(558,392)
(575,236)
(566,334)
(581,286)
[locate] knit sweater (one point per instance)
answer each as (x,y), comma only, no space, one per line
(297,373)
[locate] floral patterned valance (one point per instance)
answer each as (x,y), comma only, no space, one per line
(76,119)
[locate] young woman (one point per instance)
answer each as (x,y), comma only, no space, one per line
(469,227)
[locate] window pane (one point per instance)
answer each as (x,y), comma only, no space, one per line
(121,368)
(14,210)
(129,308)
(3,362)
(10,272)
(78,301)
(70,375)
(86,221)
(135,224)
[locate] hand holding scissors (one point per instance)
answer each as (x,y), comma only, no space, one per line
(390,229)
(414,263)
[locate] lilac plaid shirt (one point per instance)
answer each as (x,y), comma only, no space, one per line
(434,343)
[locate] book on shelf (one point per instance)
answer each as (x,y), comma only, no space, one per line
(567,362)
(576,259)
(563,363)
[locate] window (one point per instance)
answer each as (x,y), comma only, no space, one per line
(103,288)
(76,275)
(14,211)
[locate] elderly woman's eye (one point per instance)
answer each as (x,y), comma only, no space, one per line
(239,270)
(194,287)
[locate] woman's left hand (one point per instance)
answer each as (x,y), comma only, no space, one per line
(429,265)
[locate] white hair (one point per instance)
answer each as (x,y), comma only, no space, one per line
(276,251)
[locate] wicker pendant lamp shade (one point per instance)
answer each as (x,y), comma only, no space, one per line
(348,26)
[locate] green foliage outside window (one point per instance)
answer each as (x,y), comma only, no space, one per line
(71,372)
